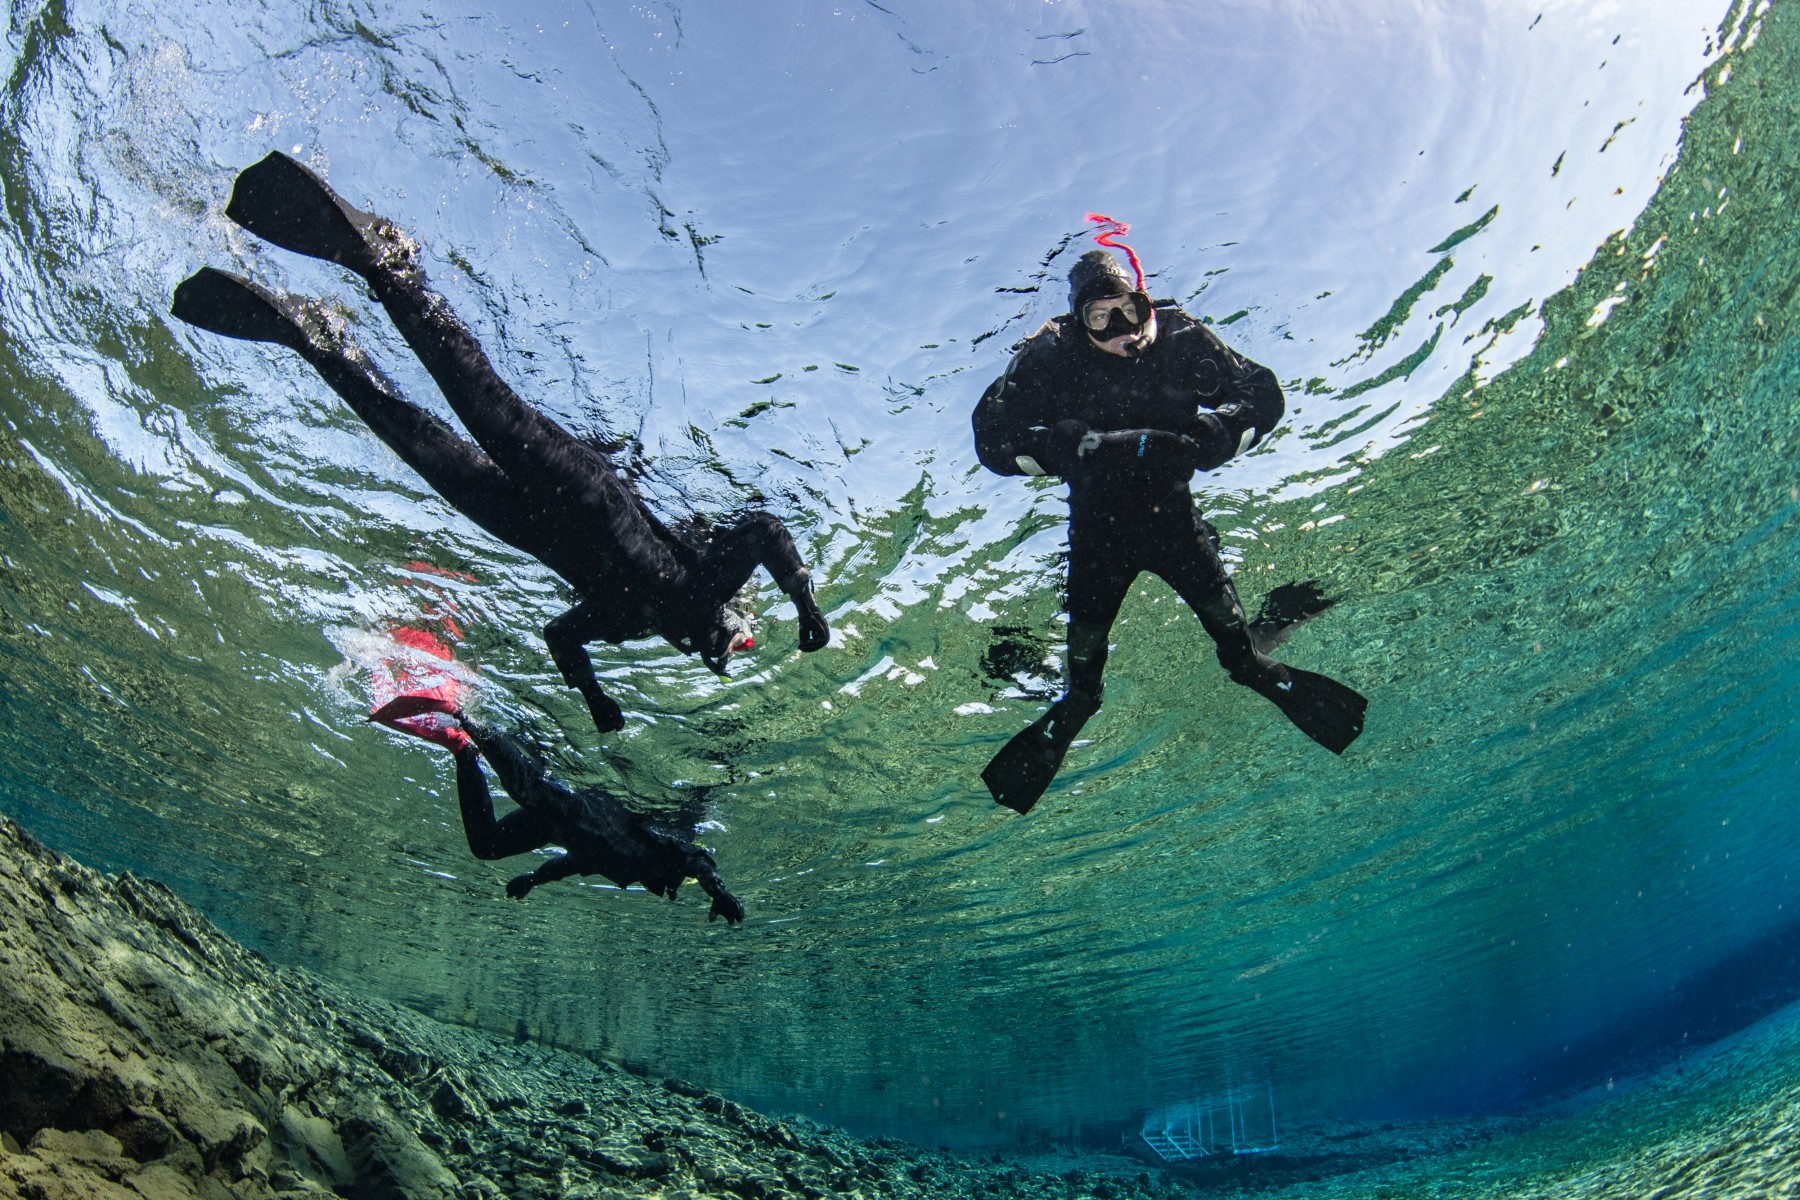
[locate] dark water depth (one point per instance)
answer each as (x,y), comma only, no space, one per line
(1529,279)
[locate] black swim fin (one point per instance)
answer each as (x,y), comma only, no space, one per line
(282,201)
(220,302)
(1325,710)
(1022,771)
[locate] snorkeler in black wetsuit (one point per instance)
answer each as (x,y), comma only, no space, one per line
(531,483)
(1126,399)
(599,834)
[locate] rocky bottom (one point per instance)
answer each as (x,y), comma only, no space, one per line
(145,1056)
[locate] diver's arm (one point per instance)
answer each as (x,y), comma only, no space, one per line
(1156,449)
(560,867)
(996,438)
(568,636)
(1069,447)
(1240,413)
(1013,424)
(724,904)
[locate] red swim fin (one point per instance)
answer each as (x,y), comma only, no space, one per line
(423,716)
(401,707)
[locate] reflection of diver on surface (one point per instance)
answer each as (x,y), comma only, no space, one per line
(531,483)
(1126,400)
(599,834)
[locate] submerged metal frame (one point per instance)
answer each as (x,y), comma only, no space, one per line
(1189,1130)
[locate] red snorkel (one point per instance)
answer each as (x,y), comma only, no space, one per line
(1112,227)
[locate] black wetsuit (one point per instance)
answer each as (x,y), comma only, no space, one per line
(600,835)
(1130,507)
(540,489)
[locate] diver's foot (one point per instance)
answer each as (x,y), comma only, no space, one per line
(1254,669)
(413,704)
(282,201)
(1020,773)
(234,307)
(436,732)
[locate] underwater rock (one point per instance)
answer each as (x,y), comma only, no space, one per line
(146,1056)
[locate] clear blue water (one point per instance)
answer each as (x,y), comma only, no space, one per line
(1527,273)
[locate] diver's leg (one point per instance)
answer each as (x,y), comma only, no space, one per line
(283,201)
(760,539)
(567,636)
(228,304)
(591,524)
(586,522)
(1023,769)
(1191,564)
(530,786)
(1322,708)
(452,466)
(514,434)
(1099,578)
(516,833)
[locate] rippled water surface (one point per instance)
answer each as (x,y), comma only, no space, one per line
(1528,275)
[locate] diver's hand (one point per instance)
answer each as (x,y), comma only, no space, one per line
(1154,448)
(726,905)
(1062,445)
(1213,444)
(814,631)
(519,886)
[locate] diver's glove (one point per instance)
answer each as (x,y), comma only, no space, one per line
(608,716)
(1056,449)
(815,631)
(1213,442)
(726,905)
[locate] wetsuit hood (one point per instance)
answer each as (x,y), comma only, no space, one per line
(1095,275)
(1131,324)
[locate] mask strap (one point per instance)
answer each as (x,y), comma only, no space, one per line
(1112,227)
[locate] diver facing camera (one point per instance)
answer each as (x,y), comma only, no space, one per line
(1126,399)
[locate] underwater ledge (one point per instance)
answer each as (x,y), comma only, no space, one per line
(146,1056)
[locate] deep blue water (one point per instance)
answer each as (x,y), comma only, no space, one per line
(1526,272)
